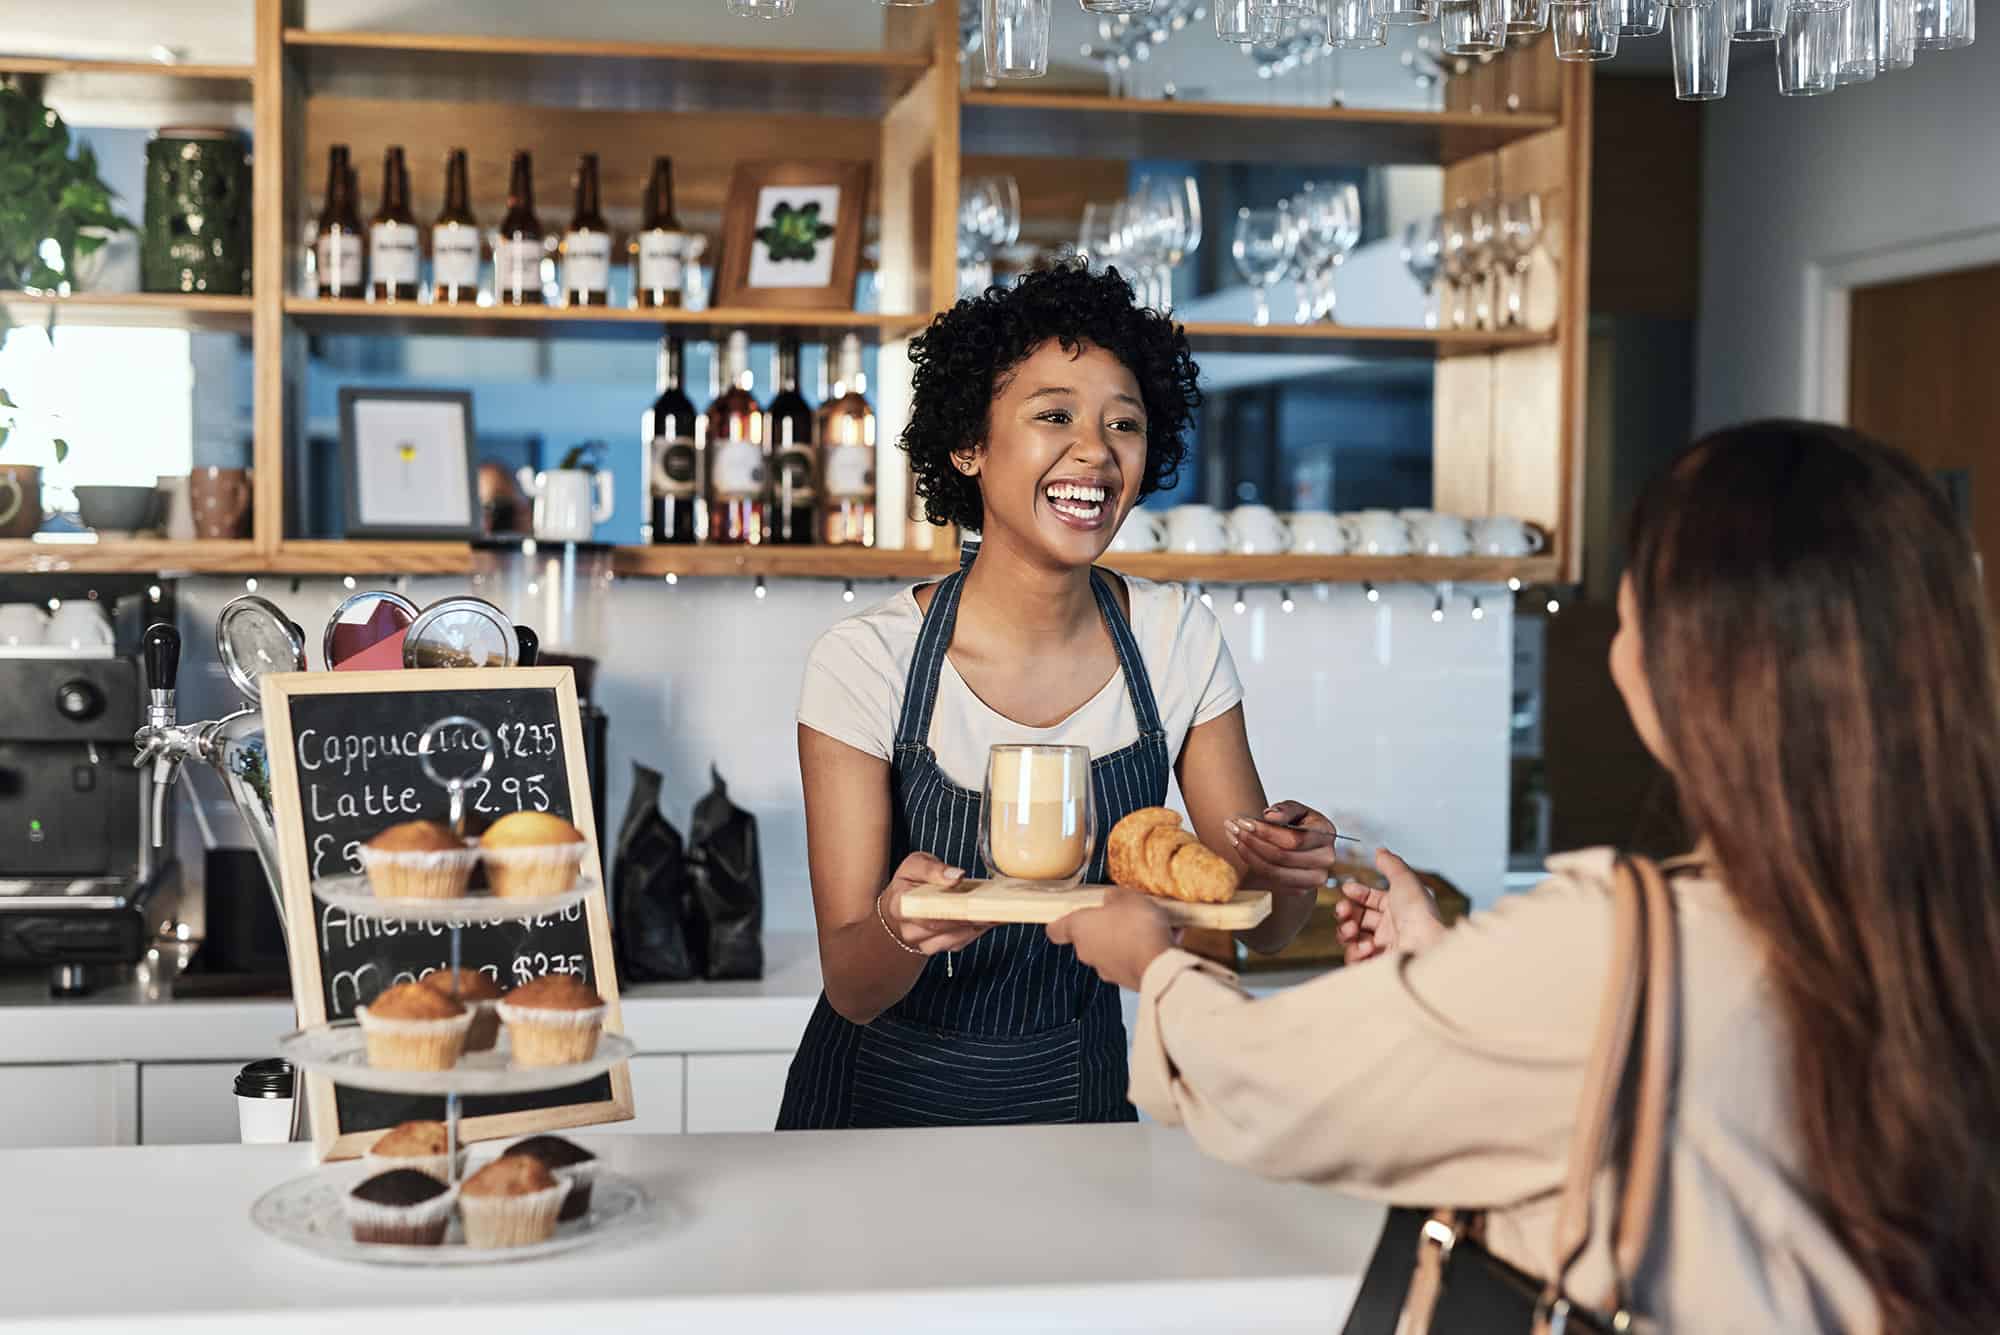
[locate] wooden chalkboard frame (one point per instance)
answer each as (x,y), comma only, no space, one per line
(294,862)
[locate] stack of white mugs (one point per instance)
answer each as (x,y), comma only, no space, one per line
(1258,530)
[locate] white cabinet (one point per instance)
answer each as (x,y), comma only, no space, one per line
(658,1097)
(188,1103)
(83,1104)
(735,1091)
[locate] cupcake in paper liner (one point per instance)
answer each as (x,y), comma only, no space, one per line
(512,1202)
(411,1027)
(552,1021)
(418,859)
(532,855)
(570,1162)
(478,994)
(403,1207)
(423,1146)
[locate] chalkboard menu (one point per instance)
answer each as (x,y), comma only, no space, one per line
(343,750)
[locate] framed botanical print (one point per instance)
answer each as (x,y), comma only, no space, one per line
(408,456)
(791,235)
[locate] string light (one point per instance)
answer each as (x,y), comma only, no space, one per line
(55,604)
(347,581)
(1241,605)
(1285,603)
(250,584)
(1478,612)
(1554,606)
(672,578)
(153,592)
(1513,584)
(1202,593)
(1374,594)
(847,594)
(759,590)
(1437,608)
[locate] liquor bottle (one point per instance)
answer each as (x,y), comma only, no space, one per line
(456,248)
(517,253)
(394,253)
(794,489)
(738,476)
(659,250)
(586,246)
(846,430)
(339,247)
(669,433)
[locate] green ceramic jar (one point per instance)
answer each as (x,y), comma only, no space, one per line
(197,234)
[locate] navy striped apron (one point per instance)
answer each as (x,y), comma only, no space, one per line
(1015,1029)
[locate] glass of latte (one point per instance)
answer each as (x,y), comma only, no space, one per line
(1037,822)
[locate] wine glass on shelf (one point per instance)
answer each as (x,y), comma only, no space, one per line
(1482,259)
(1344,203)
(1421,246)
(1190,217)
(1455,258)
(1098,240)
(1162,204)
(1312,211)
(1520,233)
(1262,247)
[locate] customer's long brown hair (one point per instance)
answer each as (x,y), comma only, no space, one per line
(1817,646)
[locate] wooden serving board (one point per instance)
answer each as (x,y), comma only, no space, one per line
(1001,900)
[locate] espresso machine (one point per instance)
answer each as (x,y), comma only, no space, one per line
(83,886)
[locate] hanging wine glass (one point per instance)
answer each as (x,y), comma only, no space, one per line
(1262,248)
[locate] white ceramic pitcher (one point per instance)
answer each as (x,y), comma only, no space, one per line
(569,502)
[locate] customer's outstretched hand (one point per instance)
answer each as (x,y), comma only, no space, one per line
(1382,922)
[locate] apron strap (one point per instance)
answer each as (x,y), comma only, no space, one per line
(921,687)
(1137,683)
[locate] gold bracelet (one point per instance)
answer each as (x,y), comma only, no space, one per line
(882,918)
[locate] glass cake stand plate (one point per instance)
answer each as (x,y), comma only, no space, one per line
(352,895)
(339,1052)
(307,1212)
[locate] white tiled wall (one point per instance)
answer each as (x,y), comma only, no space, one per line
(1394,724)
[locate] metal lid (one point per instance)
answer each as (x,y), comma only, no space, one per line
(362,621)
(253,638)
(270,1078)
(461,632)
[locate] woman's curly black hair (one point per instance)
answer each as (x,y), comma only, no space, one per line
(963,360)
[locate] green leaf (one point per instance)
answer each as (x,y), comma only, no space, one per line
(5,431)
(6,402)
(62,449)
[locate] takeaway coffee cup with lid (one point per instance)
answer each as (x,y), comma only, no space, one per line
(264,1102)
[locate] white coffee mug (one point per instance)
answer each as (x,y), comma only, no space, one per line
(1438,535)
(1197,530)
(23,623)
(569,502)
(1142,531)
(1320,533)
(79,625)
(1380,533)
(1504,535)
(1256,530)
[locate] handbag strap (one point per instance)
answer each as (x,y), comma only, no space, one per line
(1639,989)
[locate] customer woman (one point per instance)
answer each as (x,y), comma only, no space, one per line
(1803,644)
(1042,413)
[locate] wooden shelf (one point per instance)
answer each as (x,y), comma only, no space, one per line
(369,317)
(607,76)
(783,562)
(136,556)
(338,557)
(156,310)
(1081,125)
(144,81)
(1358,340)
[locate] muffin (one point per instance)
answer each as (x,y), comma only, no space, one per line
(512,1202)
(424,1146)
(401,1206)
(411,1027)
(418,859)
(531,855)
(570,1162)
(552,1021)
(480,995)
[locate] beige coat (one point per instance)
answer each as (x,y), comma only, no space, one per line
(1452,1078)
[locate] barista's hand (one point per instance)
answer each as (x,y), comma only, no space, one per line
(1288,847)
(921,869)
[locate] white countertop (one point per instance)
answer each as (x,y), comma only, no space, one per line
(1098,1228)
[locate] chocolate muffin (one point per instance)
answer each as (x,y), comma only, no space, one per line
(402,1206)
(569,1162)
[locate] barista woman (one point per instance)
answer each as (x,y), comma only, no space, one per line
(1042,413)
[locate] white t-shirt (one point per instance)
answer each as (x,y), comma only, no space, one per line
(857,673)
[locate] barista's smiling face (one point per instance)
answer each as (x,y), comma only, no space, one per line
(1064,455)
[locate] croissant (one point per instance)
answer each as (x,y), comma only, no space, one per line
(1148,850)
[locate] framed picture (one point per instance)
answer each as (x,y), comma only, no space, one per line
(408,457)
(791,234)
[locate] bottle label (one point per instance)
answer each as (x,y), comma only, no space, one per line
(674,468)
(850,472)
(738,470)
(517,264)
(662,256)
(394,257)
(586,261)
(339,259)
(794,480)
(454,256)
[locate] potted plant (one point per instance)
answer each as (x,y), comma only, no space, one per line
(55,209)
(20,484)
